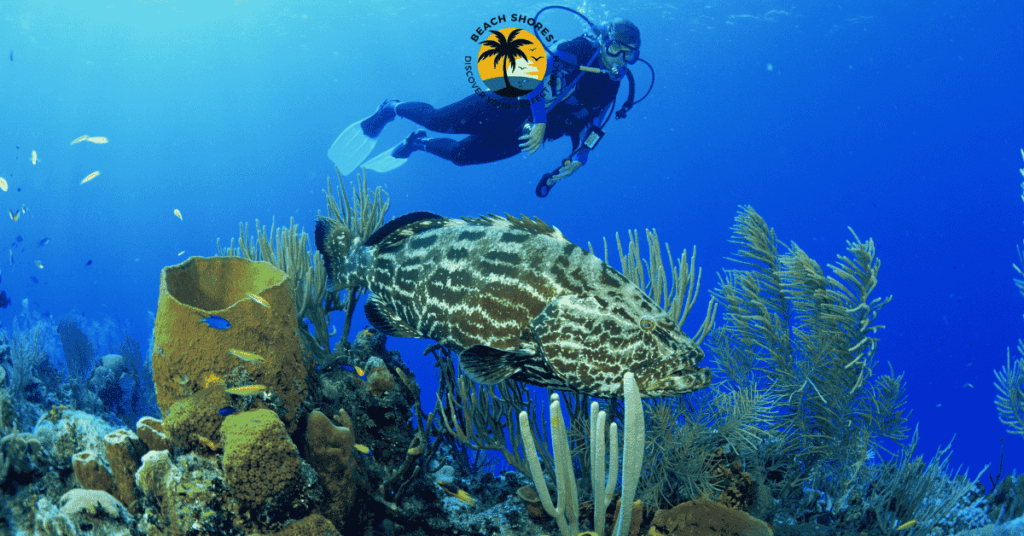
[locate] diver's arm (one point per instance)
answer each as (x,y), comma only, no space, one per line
(545,94)
(568,168)
(532,140)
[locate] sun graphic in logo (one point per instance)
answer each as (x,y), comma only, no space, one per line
(512,62)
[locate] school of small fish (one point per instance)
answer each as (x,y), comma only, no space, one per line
(16,214)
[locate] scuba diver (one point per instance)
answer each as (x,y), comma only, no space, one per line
(579,93)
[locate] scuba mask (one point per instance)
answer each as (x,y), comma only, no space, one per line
(619,49)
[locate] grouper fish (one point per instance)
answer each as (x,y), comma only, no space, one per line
(515,299)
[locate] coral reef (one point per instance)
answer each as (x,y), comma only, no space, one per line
(188,353)
(793,437)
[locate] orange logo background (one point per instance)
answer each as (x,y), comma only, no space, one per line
(529,71)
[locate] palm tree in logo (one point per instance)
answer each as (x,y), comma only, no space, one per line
(505,50)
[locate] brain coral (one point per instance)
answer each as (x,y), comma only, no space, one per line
(260,460)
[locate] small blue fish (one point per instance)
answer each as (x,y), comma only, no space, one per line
(216,322)
(224,412)
(360,372)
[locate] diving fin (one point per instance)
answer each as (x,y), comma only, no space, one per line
(357,141)
(394,157)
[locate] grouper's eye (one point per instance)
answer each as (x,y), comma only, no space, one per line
(647,323)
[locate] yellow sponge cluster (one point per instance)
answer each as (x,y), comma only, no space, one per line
(193,424)
(260,460)
(189,354)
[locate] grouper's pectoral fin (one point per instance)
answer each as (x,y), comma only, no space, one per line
(489,366)
(387,321)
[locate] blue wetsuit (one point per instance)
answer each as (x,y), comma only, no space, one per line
(494,133)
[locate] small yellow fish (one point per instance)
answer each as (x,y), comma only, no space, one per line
(246,356)
(14,214)
(363,449)
(907,525)
(35,158)
(180,253)
(97,139)
(352,368)
(90,177)
(80,139)
(208,443)
(258,300)
(39,264)
(456,492)
(968,386)
(178,214)
(3,184)
(246,389)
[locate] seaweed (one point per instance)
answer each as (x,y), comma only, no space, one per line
(801,424)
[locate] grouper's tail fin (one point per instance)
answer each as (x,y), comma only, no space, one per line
(339,246)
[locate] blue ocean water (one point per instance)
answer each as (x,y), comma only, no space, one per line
(899,121)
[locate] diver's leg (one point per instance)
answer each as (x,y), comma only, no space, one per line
(471,115)
(472,150)
(375,123)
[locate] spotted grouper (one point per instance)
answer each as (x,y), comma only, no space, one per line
(514,299)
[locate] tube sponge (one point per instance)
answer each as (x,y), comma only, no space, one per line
(329,449)
(188,353)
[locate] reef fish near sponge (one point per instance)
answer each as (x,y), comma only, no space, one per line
(515,299)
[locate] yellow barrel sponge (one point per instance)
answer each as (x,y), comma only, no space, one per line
(260,460)
(189,355)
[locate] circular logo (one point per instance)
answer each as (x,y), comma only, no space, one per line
(511,62)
